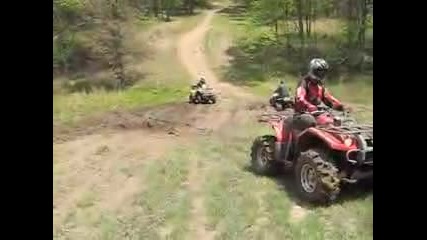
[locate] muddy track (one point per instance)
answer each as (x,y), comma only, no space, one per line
(192,56)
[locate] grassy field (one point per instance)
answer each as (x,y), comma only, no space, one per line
(238,204)
(165,80)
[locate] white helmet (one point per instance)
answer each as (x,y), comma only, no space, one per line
(318,68)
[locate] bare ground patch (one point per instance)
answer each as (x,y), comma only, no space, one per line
(102,165)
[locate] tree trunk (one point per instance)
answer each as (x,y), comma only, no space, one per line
(116,47)
(308,17)
(168,16)
(156,8)
(276,27)
(300,22)
(350,22)
(313,21)
(362,23)
(191,6)
(286,31)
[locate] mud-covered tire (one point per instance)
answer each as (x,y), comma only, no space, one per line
(198,99)
(190,99)
(327,183)
(262,156)
(279,107)
(213,100)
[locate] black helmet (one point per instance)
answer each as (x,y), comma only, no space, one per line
(318,68)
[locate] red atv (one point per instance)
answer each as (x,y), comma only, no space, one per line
(323,156)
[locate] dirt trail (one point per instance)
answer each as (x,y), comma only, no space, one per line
(233,101)
(192,55)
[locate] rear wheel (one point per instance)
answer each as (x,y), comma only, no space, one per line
(316,178)
(262,156)
(198,98)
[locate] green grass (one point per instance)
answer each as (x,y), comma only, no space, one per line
(71,108)
(161,210)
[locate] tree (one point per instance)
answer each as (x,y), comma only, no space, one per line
(299,7)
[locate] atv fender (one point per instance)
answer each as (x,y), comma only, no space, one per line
(284,141)
(278,129)
(313,135)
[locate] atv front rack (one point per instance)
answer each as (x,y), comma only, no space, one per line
(355,129)
(360,157)
(364,137)
(266,117)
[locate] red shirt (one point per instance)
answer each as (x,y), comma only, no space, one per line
(310,94)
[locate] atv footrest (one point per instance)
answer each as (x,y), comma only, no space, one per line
(358,175)
(360,157)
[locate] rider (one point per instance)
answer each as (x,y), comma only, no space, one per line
(311,91)
(281,90)
(195,90)
(201,83)
(310,94)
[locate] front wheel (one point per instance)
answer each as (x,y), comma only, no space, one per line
(279,107)
(262,156)
(316,178)
(190,99)
(198,99)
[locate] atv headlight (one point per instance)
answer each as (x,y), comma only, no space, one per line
(348,142)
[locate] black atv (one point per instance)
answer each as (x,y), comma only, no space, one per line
(202,95)
(281,103)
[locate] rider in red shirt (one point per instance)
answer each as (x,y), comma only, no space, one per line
(310,94)
(311,90)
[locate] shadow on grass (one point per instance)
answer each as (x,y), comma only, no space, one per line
(258,59)
(263,54)
(286,183)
